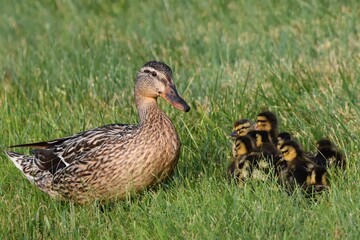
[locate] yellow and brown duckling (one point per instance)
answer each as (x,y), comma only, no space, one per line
(267,121)
(108,162)
(328,155)
(243,145)
(294,169)
(281,138)
(239,168)
(255,157)
(264,157)
(263,142)
(242,127)
(317,181)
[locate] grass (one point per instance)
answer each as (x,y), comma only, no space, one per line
(67,66)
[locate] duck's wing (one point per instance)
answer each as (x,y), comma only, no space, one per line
(57,154)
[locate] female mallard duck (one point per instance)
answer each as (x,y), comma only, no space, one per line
(108,162)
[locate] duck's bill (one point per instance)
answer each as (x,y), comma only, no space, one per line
(172,96)
(234,134)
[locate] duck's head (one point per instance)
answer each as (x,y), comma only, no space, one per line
(243,145)
(324,143)
(155,80)
(267,121)
(282,137)
(290,150)
(242,127)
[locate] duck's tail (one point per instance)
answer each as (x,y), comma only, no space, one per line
(25,164)
(42,179)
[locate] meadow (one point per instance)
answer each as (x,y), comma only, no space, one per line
(68,66)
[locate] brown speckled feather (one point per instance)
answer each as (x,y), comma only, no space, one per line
(57,154)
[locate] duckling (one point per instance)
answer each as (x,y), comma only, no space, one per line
(317,181)
(267,121)
(282,137)
(243,145)
(295,169)
(108,162)
(239,168)
(263,142)
(242,127)
(264,157)
(328,155)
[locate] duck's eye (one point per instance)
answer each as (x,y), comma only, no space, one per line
(154,74)
(146,71)
(284,151)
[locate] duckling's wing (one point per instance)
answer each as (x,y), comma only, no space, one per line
(57,154)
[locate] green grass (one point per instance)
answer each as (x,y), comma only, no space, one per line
(68,66)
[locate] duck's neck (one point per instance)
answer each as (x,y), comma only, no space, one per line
(148,108)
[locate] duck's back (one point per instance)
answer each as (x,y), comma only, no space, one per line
(138,159)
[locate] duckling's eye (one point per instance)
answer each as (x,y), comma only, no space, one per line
(146,71)
(154,74)
(284,151)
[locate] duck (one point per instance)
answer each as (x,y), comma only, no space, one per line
(264,157)
(243,145)
(242,127)
(239,168)
(254,157)
(317,181)
(294,169)
(328,155)
(281,138)
(267,121)
(264,143)
(112,161)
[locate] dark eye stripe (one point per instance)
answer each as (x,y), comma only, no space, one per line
(285,151)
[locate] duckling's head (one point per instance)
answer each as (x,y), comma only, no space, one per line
(242,127)
(267,121)
(282,137)
(290,150)
(260,137)
(154,80)
(243,145)
(324,143)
